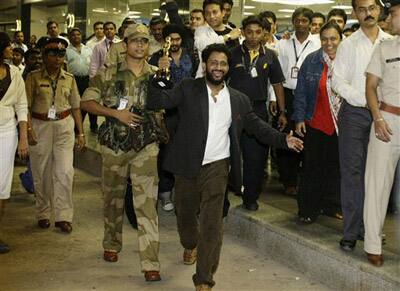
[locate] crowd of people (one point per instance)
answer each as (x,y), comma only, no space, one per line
(197,109)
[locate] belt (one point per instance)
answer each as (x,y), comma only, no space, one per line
(59,115)
(389,108)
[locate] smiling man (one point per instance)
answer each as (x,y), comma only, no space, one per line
(212,117)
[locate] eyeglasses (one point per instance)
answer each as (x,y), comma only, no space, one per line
(364,10)
(55,52)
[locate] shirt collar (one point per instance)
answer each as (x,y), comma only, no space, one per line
(246,49)
(223,90)
(309,38)
(46,75)
(124,67)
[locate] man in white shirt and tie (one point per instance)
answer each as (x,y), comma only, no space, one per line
(291,54)
(352,58)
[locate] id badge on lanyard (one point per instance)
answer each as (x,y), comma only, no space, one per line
(52,113)
(294,71)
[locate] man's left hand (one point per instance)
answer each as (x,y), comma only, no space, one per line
(294,143)
(80,142)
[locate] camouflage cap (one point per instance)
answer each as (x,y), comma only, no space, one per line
(136,31)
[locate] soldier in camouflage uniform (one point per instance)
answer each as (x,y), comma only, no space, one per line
(129,139)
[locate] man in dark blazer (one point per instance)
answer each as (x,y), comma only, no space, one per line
(212,117)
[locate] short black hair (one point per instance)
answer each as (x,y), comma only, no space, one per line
(217,2)
(50,23)
(354,4)
(268,14)
(157,20)
(347,29)
(5,42)
(19,50)
(173,28)
(31,52)
(16,32)
(338,12)
(329,25)
(318,15)
(306,12)
(254,19)
(97,23)
(230,2)
(71,30)
(109,23)
(197,10)
(215,47)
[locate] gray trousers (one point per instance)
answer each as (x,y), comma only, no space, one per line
(354,129)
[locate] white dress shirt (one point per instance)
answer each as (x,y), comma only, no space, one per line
(219,122)
(78,62)
(352,58)
(287,55)
(204,36)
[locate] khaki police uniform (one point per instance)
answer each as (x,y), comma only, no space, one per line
(140,165)
(52,157)
(382,157)
(116,54)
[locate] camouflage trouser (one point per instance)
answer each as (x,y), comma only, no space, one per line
(142,167)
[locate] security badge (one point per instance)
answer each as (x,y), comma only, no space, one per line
(123,103)
(294,72)
(52,113)
(253,72)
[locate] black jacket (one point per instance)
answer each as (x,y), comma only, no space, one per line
(186,151)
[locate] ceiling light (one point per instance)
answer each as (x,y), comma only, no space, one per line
(286,10)
(134,12)
(342,7)
(155,14)
(100,10)
(135,16)
(248,13)
(296,2)
(156,10)
(249,7)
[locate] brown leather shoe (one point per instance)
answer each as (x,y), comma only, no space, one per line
(43,223)
(376,260)
(110,256)
(152,276)
(203,287)
(189,256)
(64,226)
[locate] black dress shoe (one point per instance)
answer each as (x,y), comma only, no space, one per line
(250,206)
(43,223)
(347,245)
(64,226)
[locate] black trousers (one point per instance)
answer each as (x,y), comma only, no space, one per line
(166,179)
(288,162)
(254,156)
(320,179)
(198,204)
(83,84)
(354,129)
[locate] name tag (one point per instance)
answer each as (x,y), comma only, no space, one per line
(253,73)
(52,113)
(123,103)
(294,73)
(388,61)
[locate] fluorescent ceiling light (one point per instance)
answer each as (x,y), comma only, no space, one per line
(249,7)
(296,2)
(135,16)
(156,10)
(248,13)
(155,14)
(342,7)
(286,10)
(134,12)
(100,10)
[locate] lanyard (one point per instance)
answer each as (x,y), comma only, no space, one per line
(53,84)
(295,51)
(252,64)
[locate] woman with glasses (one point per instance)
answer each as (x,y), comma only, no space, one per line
(13,112)
(315,113)
(54,107)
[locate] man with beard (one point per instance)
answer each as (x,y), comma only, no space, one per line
(212,117)
(348,80)
(182,66)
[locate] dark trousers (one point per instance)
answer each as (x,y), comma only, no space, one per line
(320,178)
(198,203)
(354,129)
(166,179)
(83,84)
(254,156)
(288,162)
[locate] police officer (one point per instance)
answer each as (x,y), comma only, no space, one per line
(53,101)
(384,141)
(129,138)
